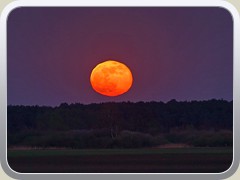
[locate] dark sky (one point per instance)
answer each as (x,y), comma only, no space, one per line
(174,53)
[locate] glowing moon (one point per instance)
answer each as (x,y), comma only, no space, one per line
(111,78)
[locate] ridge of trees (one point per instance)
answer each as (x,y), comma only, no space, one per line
(150,117)
(140,120)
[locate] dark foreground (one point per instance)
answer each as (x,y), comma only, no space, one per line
(171,160)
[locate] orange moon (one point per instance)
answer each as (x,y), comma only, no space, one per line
(111,78)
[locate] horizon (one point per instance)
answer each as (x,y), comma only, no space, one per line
(118,102)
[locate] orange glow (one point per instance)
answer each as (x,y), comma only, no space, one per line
(111,78)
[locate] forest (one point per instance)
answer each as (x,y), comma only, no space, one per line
(207,123)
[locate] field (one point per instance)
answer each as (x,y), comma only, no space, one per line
(165,160)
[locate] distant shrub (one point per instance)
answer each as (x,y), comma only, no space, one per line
(214,139)
(177,137)
(101,138)
(130,139)
(201,138)
(160,140)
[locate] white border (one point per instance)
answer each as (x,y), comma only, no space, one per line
(121,3)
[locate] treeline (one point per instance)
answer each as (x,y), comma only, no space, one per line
(112,124)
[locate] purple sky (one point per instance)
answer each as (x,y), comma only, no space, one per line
(174,53)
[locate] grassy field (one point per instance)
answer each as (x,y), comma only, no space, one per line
(166,160)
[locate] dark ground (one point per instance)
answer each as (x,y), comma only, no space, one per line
(174,160)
